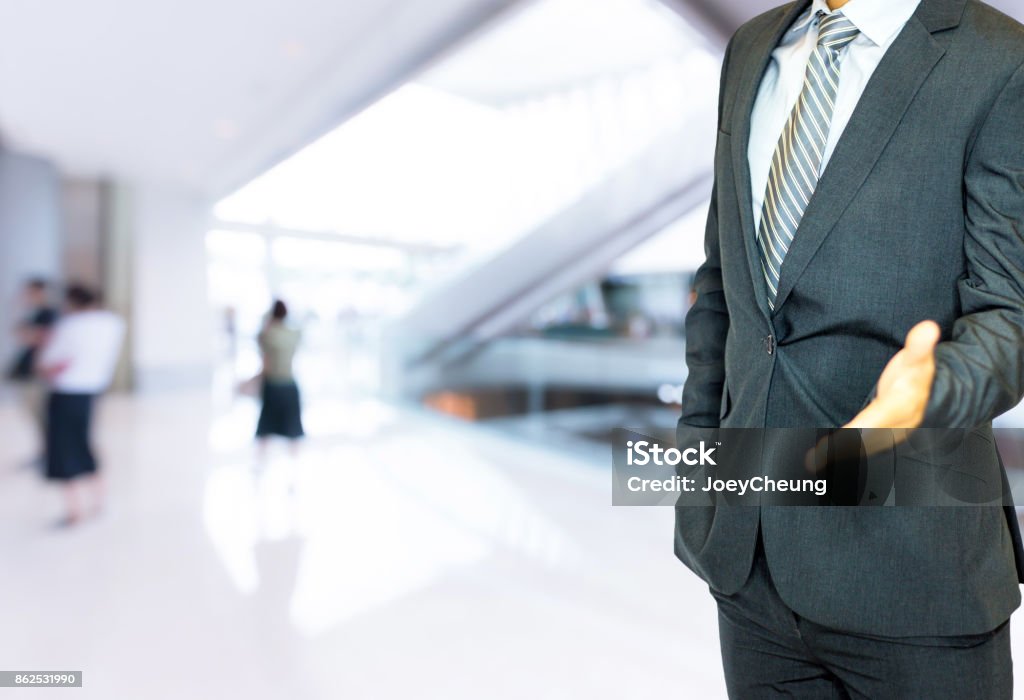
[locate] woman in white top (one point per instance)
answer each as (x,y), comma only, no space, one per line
(78,363)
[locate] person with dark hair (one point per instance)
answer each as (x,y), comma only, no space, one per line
(281,413)
(32,332)
(78,362)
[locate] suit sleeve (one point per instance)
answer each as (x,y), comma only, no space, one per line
(707,322)
(980,369)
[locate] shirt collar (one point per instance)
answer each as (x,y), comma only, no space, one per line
(878,20)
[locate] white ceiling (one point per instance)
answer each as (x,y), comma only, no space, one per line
(209,93)
(204,93)
(556,44)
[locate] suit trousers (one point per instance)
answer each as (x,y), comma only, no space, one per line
(768,651)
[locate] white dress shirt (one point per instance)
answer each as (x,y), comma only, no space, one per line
(87,344)
(879,22)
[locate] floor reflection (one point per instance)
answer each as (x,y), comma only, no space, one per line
(399,554)
(366,518)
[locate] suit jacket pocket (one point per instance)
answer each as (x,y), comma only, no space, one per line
(726,405)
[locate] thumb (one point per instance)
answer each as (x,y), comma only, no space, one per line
(921,340)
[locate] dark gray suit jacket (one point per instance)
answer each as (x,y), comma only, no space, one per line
(918,215)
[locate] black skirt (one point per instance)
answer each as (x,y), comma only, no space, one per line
(68,455)
(282,411)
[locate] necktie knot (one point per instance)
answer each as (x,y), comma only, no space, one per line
(836,31)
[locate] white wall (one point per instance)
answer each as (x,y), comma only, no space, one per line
(171,324)
(30,238)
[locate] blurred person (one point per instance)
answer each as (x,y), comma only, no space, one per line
(78,363)
(281,411)
(869,181)
(32,332)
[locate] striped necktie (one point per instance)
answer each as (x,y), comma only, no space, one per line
(798,156)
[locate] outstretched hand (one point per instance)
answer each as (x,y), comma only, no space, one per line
(900,402)
(905,384)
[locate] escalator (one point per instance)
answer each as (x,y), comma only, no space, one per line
(451,326)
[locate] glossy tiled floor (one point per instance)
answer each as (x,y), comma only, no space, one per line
(398,556)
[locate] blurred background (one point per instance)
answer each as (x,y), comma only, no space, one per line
(483,216)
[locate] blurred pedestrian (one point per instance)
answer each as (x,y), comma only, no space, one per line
(32,331)
(281,413)
(78,363)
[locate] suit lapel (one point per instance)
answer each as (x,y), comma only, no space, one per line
(886,98)
(751,72)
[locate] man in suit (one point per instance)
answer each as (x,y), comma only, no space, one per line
(865,267)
